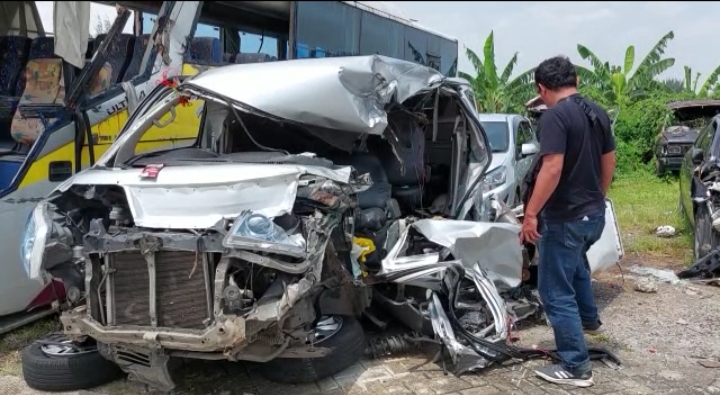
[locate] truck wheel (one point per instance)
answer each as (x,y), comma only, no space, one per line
(342,334)
(659,168)
(54,364)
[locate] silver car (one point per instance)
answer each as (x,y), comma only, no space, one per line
(513,144)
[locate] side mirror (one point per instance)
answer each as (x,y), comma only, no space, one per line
(528,149)
(697,155)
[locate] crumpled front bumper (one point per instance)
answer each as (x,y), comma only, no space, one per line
(221,335)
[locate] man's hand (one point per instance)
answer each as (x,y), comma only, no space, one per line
(529,232)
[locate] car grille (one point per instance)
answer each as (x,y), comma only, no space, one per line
(678,149)
(181,298)
(674,149)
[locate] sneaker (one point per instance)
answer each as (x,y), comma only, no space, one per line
(559,375)
(594,328)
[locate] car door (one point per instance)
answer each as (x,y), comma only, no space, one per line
(524,135)
(688,182)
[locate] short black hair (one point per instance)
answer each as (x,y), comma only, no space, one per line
(556,73)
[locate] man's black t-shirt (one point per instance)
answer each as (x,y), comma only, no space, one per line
(566,129)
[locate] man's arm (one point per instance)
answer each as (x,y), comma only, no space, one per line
(607,166)
(547,180)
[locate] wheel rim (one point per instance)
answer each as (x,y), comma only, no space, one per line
(60,346)
(325,328)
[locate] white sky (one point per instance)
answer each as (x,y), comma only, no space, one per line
(538,30)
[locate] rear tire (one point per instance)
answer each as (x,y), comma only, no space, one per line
(705,238)
(48,368)
(347,347)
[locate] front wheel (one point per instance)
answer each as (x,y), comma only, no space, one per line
(659,168)
(54,363)
(343,335)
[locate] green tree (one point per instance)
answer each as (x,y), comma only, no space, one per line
(709,86)
(674,85)
(623,84)
(497,93)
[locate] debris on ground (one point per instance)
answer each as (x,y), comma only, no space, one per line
(646,285)
(663,275)
(710,364)
(665,231)
(705,268)
(681,322)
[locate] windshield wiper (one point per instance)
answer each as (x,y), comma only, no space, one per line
(143,156)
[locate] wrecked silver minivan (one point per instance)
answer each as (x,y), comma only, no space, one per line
(315,188)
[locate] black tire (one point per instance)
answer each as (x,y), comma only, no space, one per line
(70,372)
(705,238)
(348,346)
(659,168)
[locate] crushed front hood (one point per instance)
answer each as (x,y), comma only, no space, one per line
(197,197)
(348,94)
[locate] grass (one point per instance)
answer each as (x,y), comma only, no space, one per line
(643,202)
(11,343)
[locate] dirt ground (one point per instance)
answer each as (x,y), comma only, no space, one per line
(662,338)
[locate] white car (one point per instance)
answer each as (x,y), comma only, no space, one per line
(514,144)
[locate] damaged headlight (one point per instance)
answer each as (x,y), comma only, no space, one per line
(495,178)
(32,246)
(257,232)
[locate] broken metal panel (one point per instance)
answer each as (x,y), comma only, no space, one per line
(494,246)
(191,197)
(202,206)
(706,267)
(608,250)
(225,173)
(465,356)
(340,93)
(462,356)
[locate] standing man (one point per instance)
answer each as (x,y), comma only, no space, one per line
(577,161)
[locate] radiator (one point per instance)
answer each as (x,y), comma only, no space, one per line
(181,298)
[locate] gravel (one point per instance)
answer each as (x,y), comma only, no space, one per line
(664,333)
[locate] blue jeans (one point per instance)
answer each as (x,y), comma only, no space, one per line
(564,284)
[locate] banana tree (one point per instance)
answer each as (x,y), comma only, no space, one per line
(675,85)
(623,83)
(497,93)
(709,85)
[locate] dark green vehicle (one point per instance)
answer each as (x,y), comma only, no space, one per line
(679,132)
